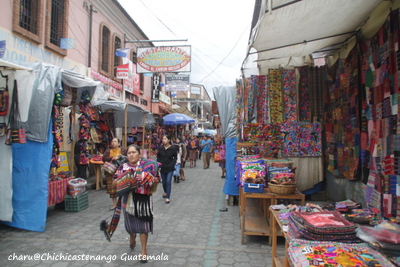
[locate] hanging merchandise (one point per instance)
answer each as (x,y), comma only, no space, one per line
(57,125)
(15,132)
(275,94)
(66,95)
(4,97)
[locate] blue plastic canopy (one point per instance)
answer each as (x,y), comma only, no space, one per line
(177,118)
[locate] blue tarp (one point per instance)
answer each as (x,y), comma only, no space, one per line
(230,186)
(30,174)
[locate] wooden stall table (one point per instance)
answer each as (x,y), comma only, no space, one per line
(57,191)
(296,195)
(277,229)
(98,173)
(251,210)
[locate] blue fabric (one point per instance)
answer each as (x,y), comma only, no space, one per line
(177,170)
(207,146)
(318,187)
(30,174)
(230,186)
(166,182)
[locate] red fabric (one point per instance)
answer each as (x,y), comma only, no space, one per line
(382,235)
(57,191)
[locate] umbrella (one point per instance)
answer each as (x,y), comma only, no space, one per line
(209,132)
(177,118)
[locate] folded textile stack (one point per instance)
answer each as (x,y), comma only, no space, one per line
(322,226)
(384,237)
(307,253)
(347,205)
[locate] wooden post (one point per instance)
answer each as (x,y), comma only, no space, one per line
(144,129)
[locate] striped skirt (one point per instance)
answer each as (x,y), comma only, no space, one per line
(135,224)
(110,190)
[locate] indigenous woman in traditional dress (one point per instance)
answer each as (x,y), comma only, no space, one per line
(136,202)
(193,147)
(110,155)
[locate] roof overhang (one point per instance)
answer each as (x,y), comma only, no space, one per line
(288,32)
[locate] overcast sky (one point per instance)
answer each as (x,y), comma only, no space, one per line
(217,31)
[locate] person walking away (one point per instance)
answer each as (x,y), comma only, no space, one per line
(167,156)
(110,155)
(193,148)
(219,145)
(199,139)
(183,159)
(206,146)
(177,170)
(136,202)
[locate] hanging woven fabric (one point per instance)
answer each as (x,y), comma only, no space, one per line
(15,131)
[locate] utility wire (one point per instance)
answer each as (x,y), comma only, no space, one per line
(225,56)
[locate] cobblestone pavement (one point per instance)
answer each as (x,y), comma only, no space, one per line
(191,231)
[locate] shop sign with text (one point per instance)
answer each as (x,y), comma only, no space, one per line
(164,59)
(177,82)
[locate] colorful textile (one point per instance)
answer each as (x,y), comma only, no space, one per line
(57,191)
(289,96)
(331,254)
(342,119)
(301,139)
(260,84)
(304,95)
(276,95)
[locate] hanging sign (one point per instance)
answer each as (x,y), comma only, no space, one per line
(123,72)
(132,83)
(177,82)
(155,93)
(163,59)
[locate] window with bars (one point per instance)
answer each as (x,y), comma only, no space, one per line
(28,15)
(117,59)
(105,48)
(143,102)
(57,22)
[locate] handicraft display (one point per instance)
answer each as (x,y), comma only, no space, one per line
(289,95)
(275,94)
(301,139)
(311,253)
(342,119)
(380,132)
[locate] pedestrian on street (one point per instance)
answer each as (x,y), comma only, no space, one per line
(167,156)
(193,148)
(136,202)
(206,146)
(177,171)
(110,155)
(199,139)
(183,158)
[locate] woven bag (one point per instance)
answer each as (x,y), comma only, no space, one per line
(109,167)
(125,183)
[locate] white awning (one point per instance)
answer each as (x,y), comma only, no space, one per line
(295,29)
(9,65)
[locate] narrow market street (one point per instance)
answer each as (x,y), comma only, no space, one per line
(190,231)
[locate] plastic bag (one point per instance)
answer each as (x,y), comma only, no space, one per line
(378,234)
